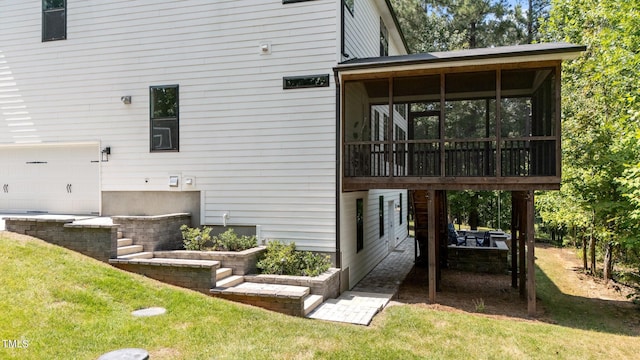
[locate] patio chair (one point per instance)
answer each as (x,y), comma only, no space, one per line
(454,237)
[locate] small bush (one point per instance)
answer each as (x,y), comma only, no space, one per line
(201,239)
(230,241)
(195,238)
(283,259)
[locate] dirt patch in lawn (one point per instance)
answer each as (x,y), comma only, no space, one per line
(493,295)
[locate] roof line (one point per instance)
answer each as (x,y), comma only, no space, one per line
(397,24)
(462,55)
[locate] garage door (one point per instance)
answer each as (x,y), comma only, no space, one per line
(60,179)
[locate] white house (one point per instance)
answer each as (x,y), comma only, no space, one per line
(226,109)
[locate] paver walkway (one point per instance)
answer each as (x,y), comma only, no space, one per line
(373,292)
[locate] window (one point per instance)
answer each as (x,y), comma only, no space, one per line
(384,39)
(381,215)
(400,208)
(54,20)
(359,225)
(349,5)
(164,118)
(301,82)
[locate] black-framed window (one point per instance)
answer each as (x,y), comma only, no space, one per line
(54,20)
(164,113)
(381,215)
(384,39)
(359,224)
(400,208)
(305,81)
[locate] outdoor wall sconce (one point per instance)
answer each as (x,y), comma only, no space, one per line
(126,99)
(104,155)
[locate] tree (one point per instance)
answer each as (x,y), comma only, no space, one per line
(601,125)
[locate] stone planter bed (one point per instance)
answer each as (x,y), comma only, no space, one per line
(326,284)
(242,262)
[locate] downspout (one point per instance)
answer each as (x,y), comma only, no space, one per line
(338,140)
(338,169)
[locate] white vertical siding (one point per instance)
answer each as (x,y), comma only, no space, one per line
(263,154)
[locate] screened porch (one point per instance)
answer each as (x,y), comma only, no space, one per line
(493,126)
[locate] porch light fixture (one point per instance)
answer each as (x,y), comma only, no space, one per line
(104,154)
(126,99)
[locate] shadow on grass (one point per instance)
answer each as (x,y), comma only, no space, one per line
(493,295)
(588,313)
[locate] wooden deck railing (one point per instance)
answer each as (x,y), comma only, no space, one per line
(519,157)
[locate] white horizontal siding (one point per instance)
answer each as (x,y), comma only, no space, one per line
(264,154)
(362,30)
(375,247)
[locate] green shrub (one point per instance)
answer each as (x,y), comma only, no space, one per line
(283,259)
(230,241)
(201,239)
(195,238)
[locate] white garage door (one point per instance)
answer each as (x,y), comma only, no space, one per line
(57,179)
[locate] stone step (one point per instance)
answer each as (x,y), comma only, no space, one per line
(311,302)
(124,242)
(129,249)
(138,255)
(120,235)
(222,273)
(230,281)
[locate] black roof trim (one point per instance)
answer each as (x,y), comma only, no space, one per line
(461,55)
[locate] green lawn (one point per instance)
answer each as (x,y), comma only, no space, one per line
(67,306)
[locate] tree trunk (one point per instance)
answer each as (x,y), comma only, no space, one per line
(584,253)
(608,262)
(592,252)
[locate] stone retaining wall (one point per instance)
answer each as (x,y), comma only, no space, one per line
(198,278)
(96,241)
(242,262)
(327,284)
(159,232)
(293,305)
(478,259)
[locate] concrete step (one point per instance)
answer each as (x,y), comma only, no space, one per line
(222,273)
(137,255)
(129,249)
(230,281)
(120,235)
(311,302)
(124,242)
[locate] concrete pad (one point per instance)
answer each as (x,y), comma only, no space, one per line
(352,307)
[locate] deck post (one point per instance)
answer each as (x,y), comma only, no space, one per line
(522,256)
(431,241)
(531,259)
(514,240)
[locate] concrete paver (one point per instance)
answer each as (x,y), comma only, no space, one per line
(373,292)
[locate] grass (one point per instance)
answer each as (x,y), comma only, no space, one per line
(68,306)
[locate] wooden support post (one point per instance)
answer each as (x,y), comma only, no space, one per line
(531,259)
(431,247)
(514,240)
(522,258)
